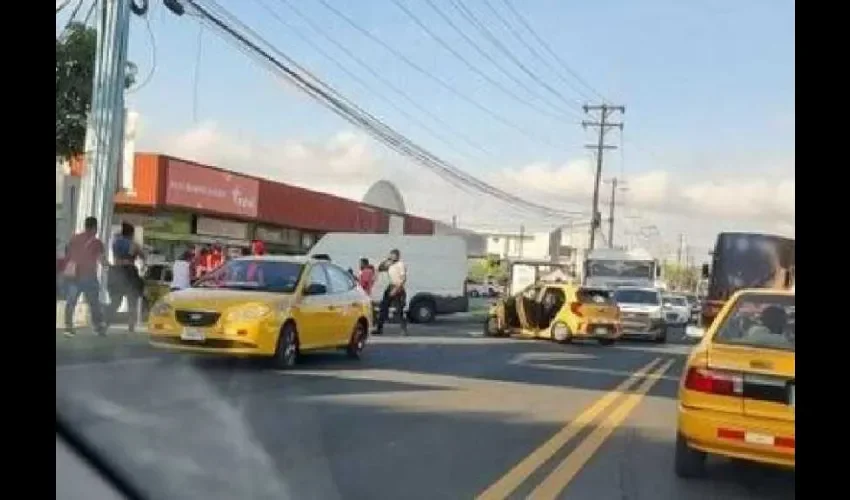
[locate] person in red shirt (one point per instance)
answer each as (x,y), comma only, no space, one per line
(367,275)
(254,273)
(84,252)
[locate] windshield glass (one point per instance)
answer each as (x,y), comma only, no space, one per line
(249,274)
(674,301)
(767,321)
(620,269)
(637,297)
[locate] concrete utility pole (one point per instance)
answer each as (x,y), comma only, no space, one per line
(104,135)
(615,184)
(603,124)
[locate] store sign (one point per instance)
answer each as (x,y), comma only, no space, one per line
(201,188)
(217,227)
(278,236)
(171,223)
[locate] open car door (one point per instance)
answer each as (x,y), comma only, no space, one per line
(526,306)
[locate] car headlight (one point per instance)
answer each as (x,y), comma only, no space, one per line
(161,309)
(655,315)
(248,313)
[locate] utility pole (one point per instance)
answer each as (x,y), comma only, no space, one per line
(104,134)
(603,124)
(615,184)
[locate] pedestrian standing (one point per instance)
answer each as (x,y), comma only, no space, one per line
(182,272)
(84,252)
(124,281)
(366,276)
(395,295)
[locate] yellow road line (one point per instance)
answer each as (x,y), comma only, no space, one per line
(561,476)
(521,471)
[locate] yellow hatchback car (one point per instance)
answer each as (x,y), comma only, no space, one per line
(561,312)
(737,394)
(266,306)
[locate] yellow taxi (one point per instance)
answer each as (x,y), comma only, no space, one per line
(267,306)
(562,312)
(737,393)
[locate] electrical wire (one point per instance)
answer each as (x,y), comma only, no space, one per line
(350,112)
(71,19)
(377,75)
(548,49)
(504,49)
(196,76)
(152,70)
(516,35)
(473,68)
(496,116)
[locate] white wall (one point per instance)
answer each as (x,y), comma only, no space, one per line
(396,224)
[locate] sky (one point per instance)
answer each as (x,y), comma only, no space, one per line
(708,142)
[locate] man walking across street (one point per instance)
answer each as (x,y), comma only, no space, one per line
(123,281)
(84,252)
(395,295)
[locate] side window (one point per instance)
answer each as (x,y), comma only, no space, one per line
(167,274)
(341,281)
(154,273)
(318,276)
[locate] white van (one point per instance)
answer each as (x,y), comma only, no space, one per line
(436,268)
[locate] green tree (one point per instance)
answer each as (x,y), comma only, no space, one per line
(75,60)
(680,277)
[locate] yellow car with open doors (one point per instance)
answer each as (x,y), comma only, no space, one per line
(737,394)
(562,312)
(265,306)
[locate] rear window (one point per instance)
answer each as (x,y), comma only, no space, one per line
(767,321)
(594,296)
(637,297)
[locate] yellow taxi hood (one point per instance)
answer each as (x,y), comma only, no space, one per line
(216,298)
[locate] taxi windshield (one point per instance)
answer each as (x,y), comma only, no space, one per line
(674,301)
(766,321)
(253,274)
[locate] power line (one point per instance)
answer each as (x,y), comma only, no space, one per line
(516,35)
(504,49)
(377,75)
(549,50)
(485,54)
(471,66)
(496,116)
(152,39)
(349,111)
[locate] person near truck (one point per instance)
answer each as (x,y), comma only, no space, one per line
(395,295)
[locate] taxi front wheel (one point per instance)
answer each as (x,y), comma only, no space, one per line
(286,353)
(689,463)
(358,341)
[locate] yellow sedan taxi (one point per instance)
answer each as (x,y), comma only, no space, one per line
(265,306)
(737,394)
(557,311)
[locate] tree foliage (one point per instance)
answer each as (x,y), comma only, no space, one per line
(75,61)
(679,277)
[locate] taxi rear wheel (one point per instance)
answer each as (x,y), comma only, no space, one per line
(689,463)
(561,333)
(358,341)
(286,353)
(491,327)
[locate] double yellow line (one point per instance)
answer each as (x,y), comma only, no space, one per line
(564,472)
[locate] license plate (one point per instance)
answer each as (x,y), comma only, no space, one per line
(193,334)
(600,331)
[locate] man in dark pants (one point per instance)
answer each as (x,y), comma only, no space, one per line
(395,294)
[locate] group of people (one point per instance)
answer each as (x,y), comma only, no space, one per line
(395,294)
(84,252)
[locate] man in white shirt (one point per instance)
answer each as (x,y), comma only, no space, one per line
(181,272)
(395,294)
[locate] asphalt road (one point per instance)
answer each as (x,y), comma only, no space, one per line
(442,413)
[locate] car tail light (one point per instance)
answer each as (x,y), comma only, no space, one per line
(575,307)
(722,383)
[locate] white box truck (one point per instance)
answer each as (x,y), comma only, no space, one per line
(436,268)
